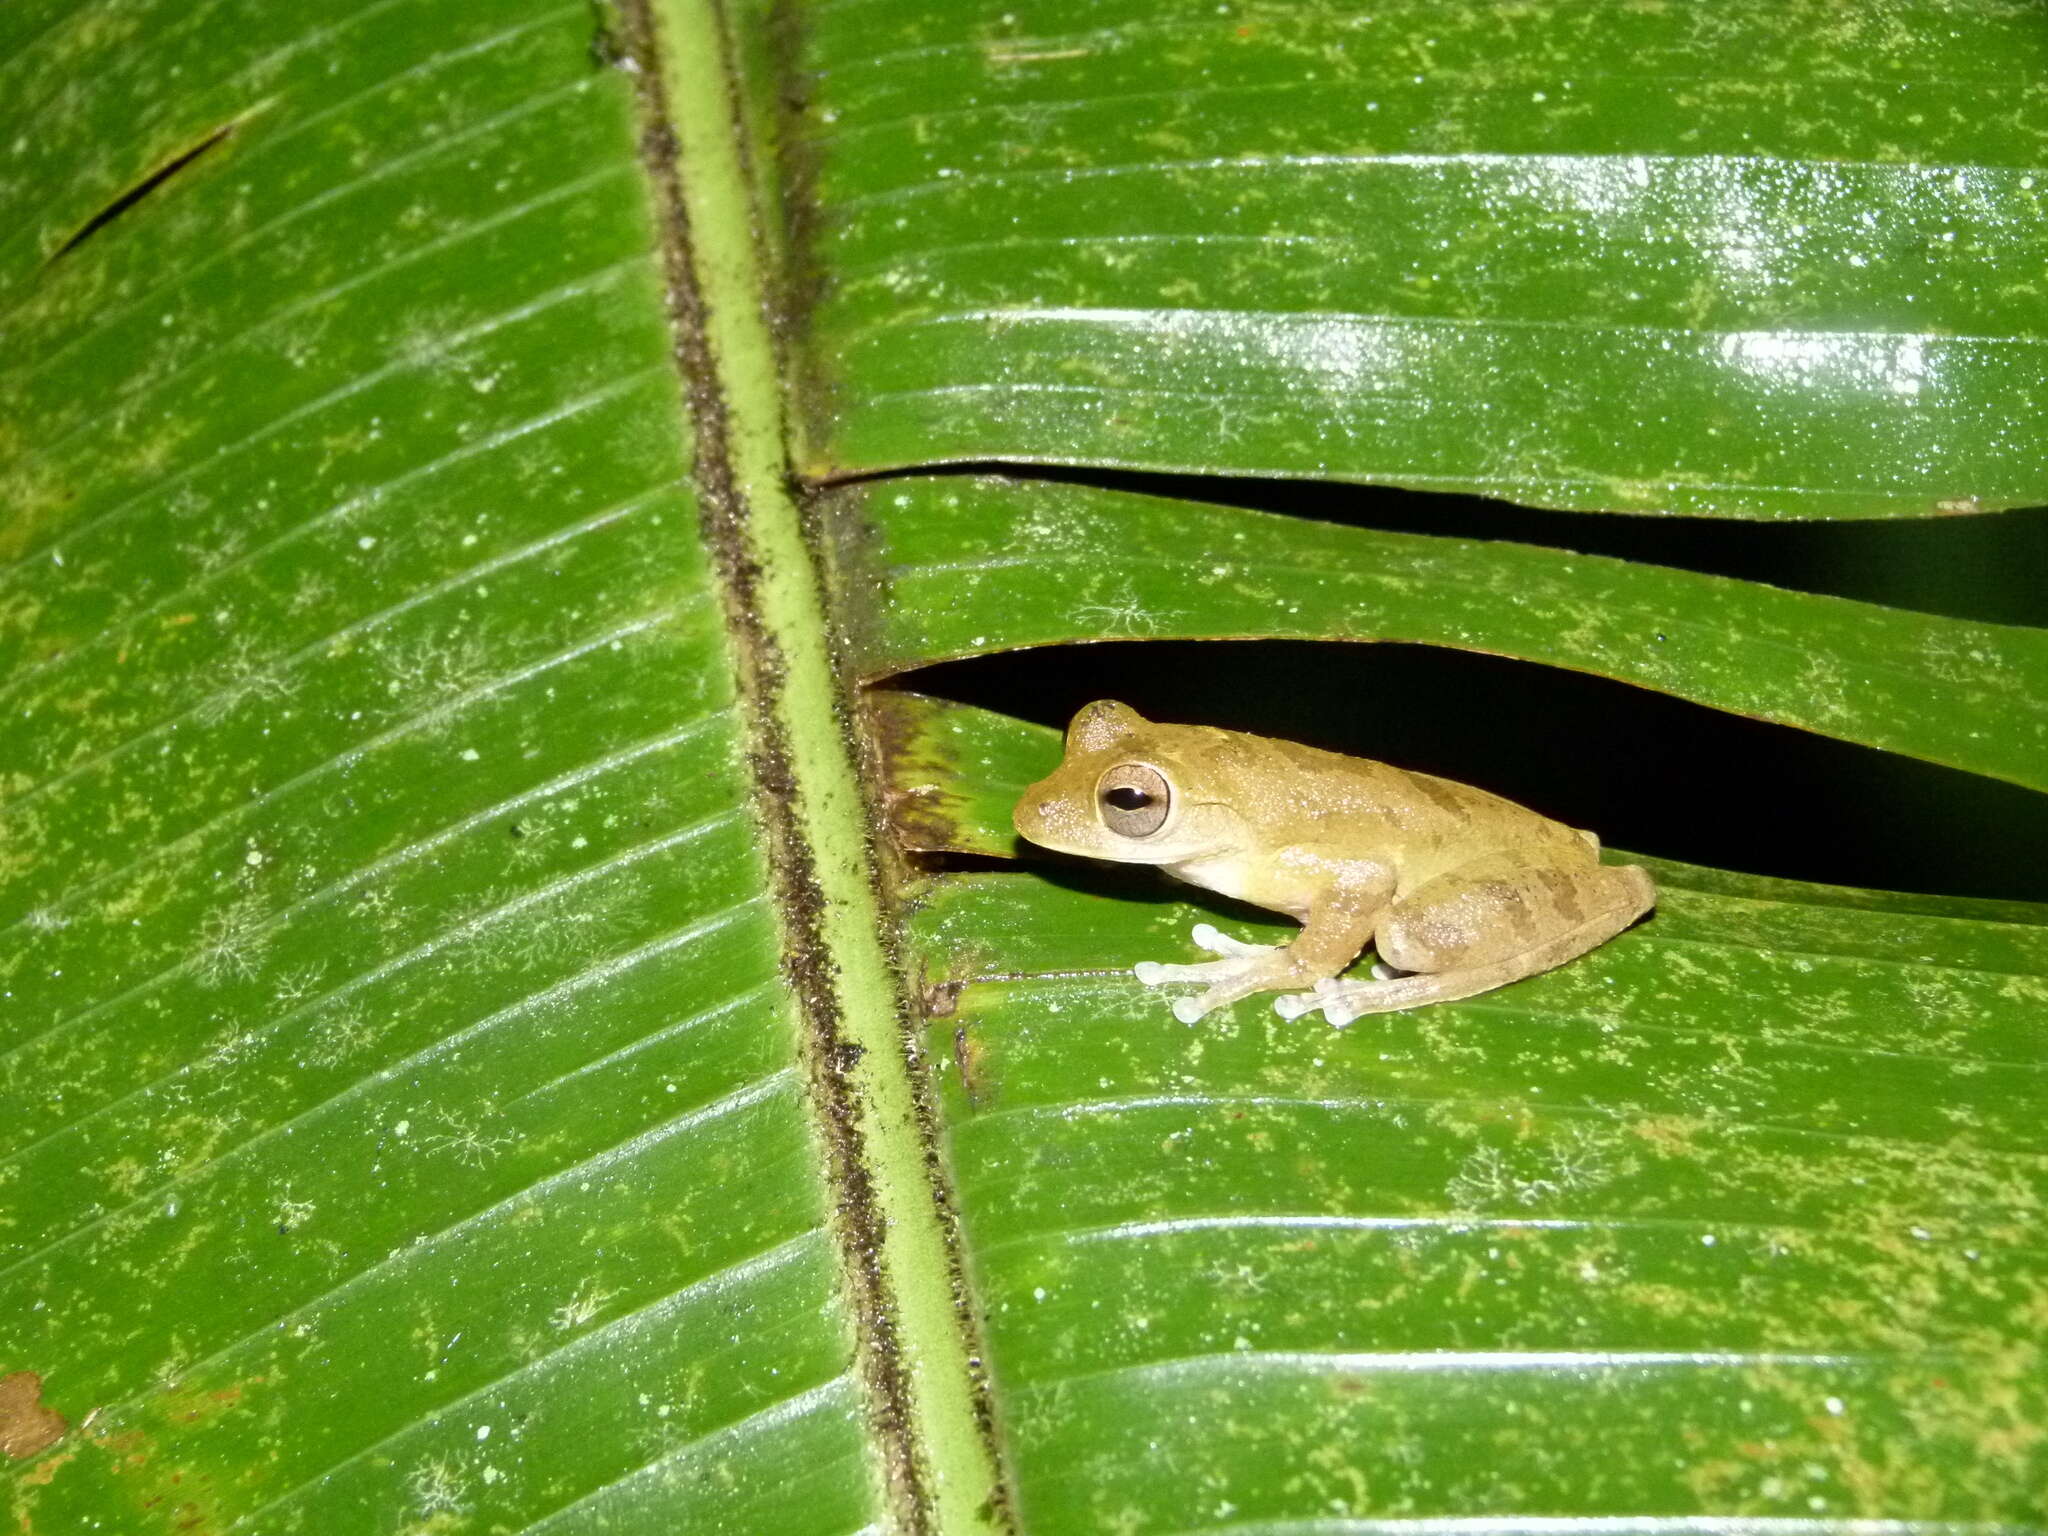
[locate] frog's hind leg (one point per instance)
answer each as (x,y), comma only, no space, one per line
(1493,921)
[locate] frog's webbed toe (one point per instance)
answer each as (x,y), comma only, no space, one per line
(1243,970)
(1335,998)
(1341,1001)
(1292,1005)
(1237,956)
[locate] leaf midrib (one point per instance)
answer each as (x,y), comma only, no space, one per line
(928,1411)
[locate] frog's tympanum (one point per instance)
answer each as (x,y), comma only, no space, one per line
(1458,891)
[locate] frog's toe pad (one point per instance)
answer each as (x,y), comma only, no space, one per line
(1339,1012)
(1214,973)
(1331,998)
(1208,936)
(1239,959)
(1292,1005)
(1242,969)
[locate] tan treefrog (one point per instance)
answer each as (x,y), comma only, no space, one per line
(1458,890)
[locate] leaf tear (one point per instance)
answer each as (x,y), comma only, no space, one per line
(143,188)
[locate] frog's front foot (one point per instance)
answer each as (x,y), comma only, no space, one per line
(1245,969)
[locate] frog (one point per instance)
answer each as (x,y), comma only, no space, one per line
(1457,890)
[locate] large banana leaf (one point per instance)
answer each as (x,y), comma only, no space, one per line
(1749,260)
(508,1022)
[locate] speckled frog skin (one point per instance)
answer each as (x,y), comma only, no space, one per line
(1457,890)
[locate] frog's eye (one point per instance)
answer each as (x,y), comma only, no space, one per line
(1134,799)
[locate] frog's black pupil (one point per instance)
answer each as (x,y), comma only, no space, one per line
(1125,798)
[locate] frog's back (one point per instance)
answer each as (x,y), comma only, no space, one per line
(1483,808)
(1442,812)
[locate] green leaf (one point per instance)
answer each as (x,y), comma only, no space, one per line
(1758,1180)
(985,565)
(1754,261)
(472,1056)
(402,1095)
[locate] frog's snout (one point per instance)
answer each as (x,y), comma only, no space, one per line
(1044,817)
(1028,816)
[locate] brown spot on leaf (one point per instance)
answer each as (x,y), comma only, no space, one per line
(26,1426)
(914,767)
(967,1060)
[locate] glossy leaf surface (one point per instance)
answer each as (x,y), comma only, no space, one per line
(1737,1216)
(1730,259)
(404,1127)
(415,1113)
(983,565)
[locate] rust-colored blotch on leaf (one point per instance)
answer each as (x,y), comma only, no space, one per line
(26,1426)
